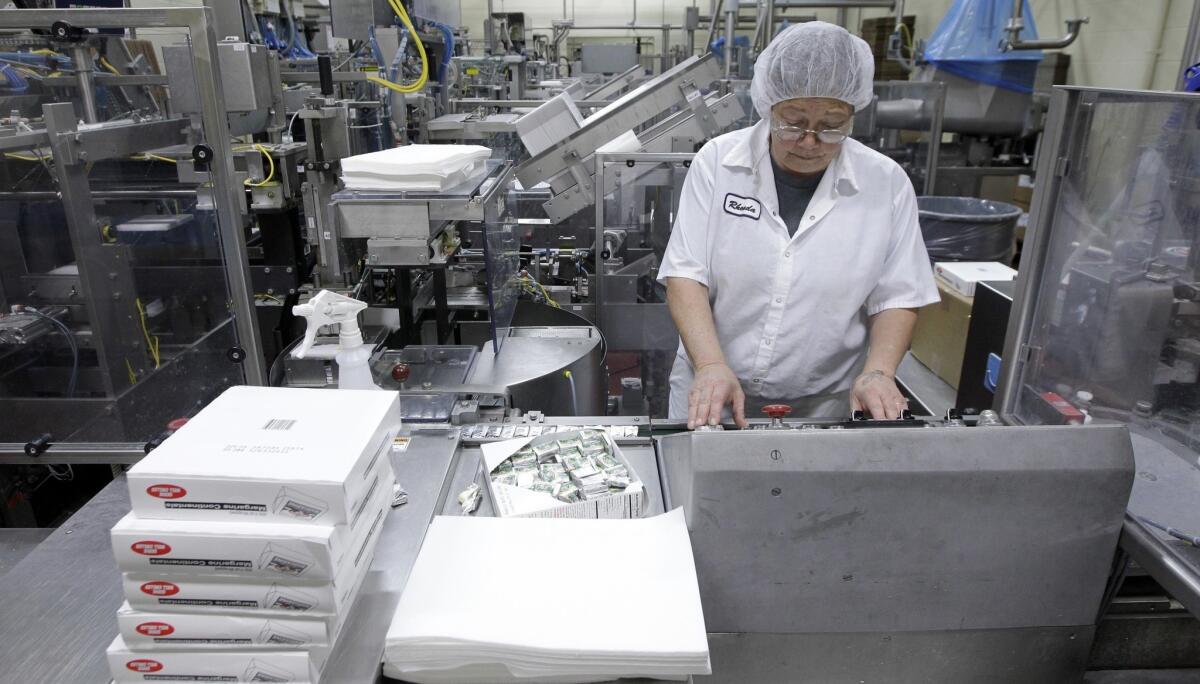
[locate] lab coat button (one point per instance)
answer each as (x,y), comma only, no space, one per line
(779,300)
(787,254)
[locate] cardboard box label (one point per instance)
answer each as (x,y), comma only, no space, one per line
(144,665)
(166,491)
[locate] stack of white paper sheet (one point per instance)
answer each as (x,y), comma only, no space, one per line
(414,167)
(563,600)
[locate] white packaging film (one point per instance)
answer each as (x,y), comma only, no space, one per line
(167,548)
(509,501)
(962,276)
(243,665)
(271,455)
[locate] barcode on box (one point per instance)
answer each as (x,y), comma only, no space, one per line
(279,424)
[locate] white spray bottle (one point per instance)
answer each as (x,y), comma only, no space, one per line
(353,357)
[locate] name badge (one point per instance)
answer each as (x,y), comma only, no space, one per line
(742,206)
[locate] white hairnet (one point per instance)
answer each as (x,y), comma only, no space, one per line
(813,59)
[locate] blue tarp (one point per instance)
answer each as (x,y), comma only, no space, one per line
(967,44)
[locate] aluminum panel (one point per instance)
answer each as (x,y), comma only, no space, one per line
(882,529)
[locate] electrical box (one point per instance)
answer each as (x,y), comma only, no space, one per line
(603,58)
(228,19)
(245,80)
(352,18)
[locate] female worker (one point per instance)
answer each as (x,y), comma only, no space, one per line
(792,245)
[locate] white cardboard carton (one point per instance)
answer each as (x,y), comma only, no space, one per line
(273,551)
(234,665)
(961,276)
(187,631)
(509,501)
(231,595)
(270,454)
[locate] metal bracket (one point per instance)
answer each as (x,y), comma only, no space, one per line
(583,179)
(699,107)
(1029,353)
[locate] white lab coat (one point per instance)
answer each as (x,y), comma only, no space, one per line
(792,313)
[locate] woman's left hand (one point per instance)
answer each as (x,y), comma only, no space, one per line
(876,393)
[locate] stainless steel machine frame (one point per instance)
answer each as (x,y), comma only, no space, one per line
(1057,214)
(635,108)
(643,326)
(72,583)
(227,192)
(901,554)
(926,117)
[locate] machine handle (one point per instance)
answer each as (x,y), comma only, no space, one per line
(325,69)
(777,411)
(401,372)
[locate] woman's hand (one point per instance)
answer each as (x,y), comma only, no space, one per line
(714,386)
(876,393)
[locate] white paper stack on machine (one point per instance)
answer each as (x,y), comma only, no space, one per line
(414,167)
(252,530)
(529,618)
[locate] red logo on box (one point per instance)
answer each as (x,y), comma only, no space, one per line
(150,548)
(166,491)
(144,665)
(160,588)
(155,629)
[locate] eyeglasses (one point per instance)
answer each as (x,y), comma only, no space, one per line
(829,136)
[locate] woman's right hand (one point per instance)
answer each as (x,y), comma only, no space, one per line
(713,386)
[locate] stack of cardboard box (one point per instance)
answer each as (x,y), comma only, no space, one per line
(252,530)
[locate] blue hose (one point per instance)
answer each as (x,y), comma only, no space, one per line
(448,53)
(14,81)
(297,48)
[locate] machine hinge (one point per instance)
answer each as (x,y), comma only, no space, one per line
(1062,166)
(1029,353)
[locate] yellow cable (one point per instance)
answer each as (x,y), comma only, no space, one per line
(22,157)
(107,65)
(157,157)
(267,296)
(152,344)
(530,284)
(904,27)
(417,85)
(270,174)
(132,375)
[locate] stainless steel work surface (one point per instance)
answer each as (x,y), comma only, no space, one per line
(67,591)
(877,530)
(18,542)
(423,469)
(1048,655)
(1164,490)
(60,603)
